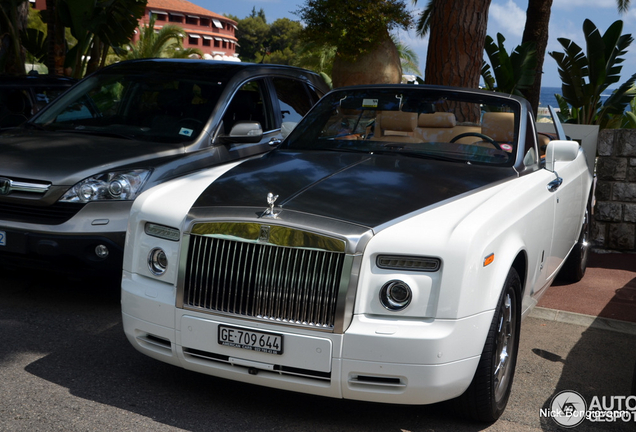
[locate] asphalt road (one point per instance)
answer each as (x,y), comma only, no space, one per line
(65,365)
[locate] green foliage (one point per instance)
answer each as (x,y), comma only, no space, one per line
(253,36)
(355,27)
(423,24)
(512,73)
(409,59)
(98,26)
(587,75)
(268,43)
(628,120)
(35,43)
(280,43)
(283,34)
(317,57)
(166,42)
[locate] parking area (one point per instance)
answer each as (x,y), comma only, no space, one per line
(66,365)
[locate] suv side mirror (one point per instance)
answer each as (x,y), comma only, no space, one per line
(244,132)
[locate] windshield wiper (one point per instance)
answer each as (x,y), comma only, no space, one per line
(36,126)
(417,155)
(337,149)
(100,133)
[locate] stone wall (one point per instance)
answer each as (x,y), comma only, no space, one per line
(614,222)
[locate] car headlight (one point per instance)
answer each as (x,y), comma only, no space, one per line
(115,185)
(395,295)
(157,261)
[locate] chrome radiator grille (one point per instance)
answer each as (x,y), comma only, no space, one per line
(264,281)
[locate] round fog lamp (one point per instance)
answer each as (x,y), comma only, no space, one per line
(157,261)
(395,295)
(101,251)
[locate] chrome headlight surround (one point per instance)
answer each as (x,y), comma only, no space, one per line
(114,185)
(395,295)
(157,261)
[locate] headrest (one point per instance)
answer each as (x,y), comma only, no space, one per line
(437,120)
(499,126)
(398,121)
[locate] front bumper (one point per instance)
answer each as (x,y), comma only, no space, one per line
(70,246)
(376,359)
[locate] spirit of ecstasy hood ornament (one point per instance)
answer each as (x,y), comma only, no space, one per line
(269,212)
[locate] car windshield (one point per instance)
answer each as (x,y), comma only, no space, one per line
(413,121)
(150,107)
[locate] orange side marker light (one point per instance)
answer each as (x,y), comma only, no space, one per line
(489,259)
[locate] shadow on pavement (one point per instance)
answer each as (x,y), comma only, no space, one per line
(601,362)
(85,350)
(71,335)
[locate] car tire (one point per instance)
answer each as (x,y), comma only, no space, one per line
(575,264)
(487,396)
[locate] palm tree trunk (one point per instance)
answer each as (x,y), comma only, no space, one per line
(456,45)
(56,49)
(536,30)
(13,19)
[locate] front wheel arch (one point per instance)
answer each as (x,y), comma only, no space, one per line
(487,395)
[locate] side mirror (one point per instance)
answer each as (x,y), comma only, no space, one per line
(560,151)
(244,132)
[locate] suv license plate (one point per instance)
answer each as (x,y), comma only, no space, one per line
(270,343)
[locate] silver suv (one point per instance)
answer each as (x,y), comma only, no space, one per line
(69,175)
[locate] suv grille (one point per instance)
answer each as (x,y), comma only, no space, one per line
(55,214)
(285,284)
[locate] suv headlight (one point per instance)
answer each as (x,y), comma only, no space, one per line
(115,185)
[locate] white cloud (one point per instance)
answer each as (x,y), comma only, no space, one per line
(506,18)
(583,4)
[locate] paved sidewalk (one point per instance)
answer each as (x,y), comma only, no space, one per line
(605,297)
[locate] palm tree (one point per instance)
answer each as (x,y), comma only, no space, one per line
(536,32)
(457,31)
(97,25)
(317,57)
(167,42)
(514,73)
(408,58)
(586,76)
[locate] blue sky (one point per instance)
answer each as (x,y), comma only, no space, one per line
(506,17)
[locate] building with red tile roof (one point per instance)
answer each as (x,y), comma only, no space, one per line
(213,34)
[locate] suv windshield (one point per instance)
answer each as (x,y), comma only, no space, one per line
(433,123)
(149,107)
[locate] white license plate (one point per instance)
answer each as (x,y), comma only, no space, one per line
(3,238)
(270,343)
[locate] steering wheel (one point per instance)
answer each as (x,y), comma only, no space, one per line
(485,138)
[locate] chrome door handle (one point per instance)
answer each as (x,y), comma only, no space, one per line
(555,184)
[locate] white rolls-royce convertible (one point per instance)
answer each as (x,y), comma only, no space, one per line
(386,251)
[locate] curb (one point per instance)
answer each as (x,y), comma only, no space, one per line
(584,320)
